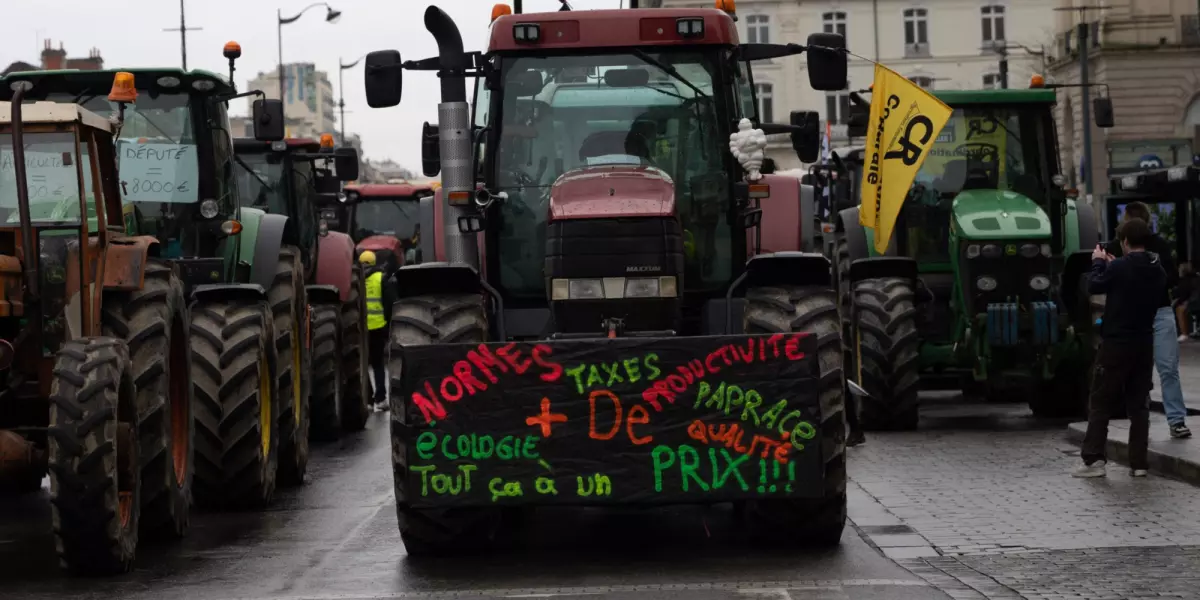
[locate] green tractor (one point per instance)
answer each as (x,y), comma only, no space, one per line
(983,285)
(285,178)
(179,183)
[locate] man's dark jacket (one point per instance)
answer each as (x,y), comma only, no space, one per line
(1160,247)
(1134,284)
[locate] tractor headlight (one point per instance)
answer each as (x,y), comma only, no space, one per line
(208,208)
(641,287)
(1046,250)
(991,251)
(986,283)
(560,289)
(586,289)
(973,251)
(1039,283)
(1030,250)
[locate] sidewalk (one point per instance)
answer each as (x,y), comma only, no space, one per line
(1189,377)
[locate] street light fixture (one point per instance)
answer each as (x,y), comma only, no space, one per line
(342,67)
(331,16)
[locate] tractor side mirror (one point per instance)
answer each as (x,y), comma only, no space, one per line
(345,162)
(384,78)
(827,62)
(806,140)
(268,120)
(1102,108)
(431,150)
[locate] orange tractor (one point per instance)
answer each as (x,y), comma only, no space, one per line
(95,388)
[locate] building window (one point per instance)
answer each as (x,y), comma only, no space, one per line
(915,26)
(837,108)
(766,102)
(835,22)
(991,81)
(993,24)
(923,82)
(758,29)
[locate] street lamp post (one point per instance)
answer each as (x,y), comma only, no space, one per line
(331,16)
(342,92)
(1002,50)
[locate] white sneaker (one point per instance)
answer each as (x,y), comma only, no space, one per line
(1183,338)
(1138,472)
(1095,469)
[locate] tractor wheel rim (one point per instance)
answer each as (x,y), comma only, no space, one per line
(264,403)
(297,393)
(180,409)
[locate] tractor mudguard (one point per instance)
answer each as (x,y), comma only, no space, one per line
(1089,232)
(788,268)
(335,259)
(225,291)
(266,249)
(437,278)
(1077,264)
(859,240)
(323,294)
(125,262)
(883,266)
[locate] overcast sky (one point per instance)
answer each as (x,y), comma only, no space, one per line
(129,34)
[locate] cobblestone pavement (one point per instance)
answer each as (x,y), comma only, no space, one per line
(989,488)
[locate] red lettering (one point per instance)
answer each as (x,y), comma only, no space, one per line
(687,375)
(430,409)
(723,353)
(737,441)
(747,356)
(638,416)
(697,368)
(462,370)
(697,432)
(677,383)
(512,356)
(720,433)
(792,349)
(708,364)
(774,342)
(454,396)
(483,360)
(762,350)
(553,370)
(781,453)
(592,416)
(652,394)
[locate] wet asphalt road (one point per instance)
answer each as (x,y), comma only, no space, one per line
(336,537)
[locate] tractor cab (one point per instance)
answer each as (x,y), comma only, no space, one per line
(388,219)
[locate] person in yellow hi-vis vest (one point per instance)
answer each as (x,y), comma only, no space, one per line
(380,298)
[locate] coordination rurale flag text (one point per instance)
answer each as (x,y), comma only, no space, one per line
(905,121)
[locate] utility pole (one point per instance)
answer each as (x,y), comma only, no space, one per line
(183,29)
(1082,31)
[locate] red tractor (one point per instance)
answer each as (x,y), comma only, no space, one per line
(386,219)
(605,327)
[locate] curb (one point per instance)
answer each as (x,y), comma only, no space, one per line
(1157,406)
(1161,463)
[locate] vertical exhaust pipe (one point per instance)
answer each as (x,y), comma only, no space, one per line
(456,135)
(517,7)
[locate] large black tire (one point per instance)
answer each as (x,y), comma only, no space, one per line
(95,490)
(153,322)
(841,270)
(289,307)
(326,372)
(886,346)
(356,388)
(818,521)
(233,369)
(418,321)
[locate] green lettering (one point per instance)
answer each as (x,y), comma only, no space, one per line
(649,362)
(529,448)
(464,445)
(769,419)
(705,390)
(795,414)
(441,483)
(505,450)
(466,475)
(748,410)
(730,402)
(580,490)
(426,442)
(732,467)
(577,372)
(717,400)
(603,485)
(484,447)
(424,471)
(446,451)
(687,469)
(545,485)
(802,431)
(495,486)
(662,458)
(631,369)
(594,376)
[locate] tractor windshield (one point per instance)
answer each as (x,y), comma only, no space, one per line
(261,181)
(980,148)
(52,177)
(394,217)
(560,113)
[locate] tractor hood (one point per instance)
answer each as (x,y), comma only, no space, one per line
(611,192)
(379,242)
(999,214)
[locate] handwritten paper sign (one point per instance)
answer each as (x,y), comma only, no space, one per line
(51,176)
(625,420)
(158,172)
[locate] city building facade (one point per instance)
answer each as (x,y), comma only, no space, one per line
(308,102)
(56,58)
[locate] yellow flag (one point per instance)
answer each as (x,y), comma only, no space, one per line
(905,121)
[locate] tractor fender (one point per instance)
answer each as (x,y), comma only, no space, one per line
(229,291)
(437,278)
(335,259)
(877,267)
(125,261)
(266,249)
(1077,265)
(857,240)
(324,294)
(1089,232)
(788,268)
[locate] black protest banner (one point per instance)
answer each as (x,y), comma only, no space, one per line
(621,420)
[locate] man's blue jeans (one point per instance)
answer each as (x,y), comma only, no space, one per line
(1166,360)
